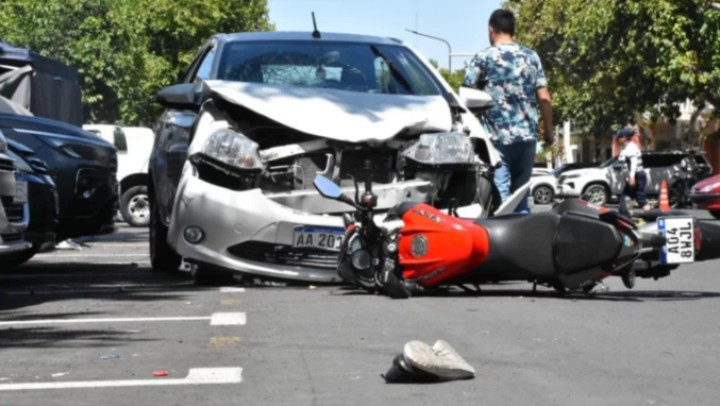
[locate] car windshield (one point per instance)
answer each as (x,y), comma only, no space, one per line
(608,163)
(358,67)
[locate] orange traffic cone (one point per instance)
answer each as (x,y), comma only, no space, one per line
(664,197)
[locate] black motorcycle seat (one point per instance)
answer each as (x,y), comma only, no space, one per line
(583,243)
(548,244)
(521,244)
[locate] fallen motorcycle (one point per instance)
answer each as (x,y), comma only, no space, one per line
(574,246)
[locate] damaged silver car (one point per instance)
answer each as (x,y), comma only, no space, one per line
(258,115)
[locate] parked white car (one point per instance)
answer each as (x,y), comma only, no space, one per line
(600,185)
(134,145)
(543,188)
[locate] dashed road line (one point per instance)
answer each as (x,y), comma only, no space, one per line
(228,319)
(195,376)
(231,289)
(217,319)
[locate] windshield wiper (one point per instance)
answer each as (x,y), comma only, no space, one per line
(394,71)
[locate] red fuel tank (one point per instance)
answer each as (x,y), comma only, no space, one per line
(435,247)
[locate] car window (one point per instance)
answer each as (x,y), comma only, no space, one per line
(661,160)
(358,67)
(205,68)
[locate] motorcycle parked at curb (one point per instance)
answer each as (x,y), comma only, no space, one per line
(574,246)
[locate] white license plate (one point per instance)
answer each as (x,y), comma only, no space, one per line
(21,188)
(680,235)
(326,238)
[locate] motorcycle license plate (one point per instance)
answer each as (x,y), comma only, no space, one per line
(21,188)
(680,235)
(325,238)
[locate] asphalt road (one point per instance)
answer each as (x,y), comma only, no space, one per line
(76,323)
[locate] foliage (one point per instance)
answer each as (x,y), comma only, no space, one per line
(125,50)
(606,59)
(454,79)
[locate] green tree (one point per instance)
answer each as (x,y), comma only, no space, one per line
(454,79)
(125,50)
(607,59)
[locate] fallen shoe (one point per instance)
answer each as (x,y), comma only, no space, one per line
(421,363)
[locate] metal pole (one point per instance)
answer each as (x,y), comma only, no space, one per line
(437,39)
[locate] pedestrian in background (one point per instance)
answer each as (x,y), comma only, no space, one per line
(516,81)
(637,178)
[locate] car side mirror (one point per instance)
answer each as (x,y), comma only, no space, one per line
(182,95)
(475,99)
(618,168)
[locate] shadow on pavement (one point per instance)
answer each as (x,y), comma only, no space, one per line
(37,337)
(36,283)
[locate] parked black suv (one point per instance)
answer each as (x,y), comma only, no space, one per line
(82,165)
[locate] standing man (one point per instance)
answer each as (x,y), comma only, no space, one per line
(637,178)
(516,81)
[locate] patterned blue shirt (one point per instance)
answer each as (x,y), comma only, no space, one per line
(514,73)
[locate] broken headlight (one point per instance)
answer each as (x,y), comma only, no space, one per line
(443,148)
(233,149)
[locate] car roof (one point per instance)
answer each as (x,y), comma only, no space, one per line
(305,36)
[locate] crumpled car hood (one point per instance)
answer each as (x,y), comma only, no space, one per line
(338,114)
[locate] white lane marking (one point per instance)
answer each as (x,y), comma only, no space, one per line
(230,289)
(228,319)
(58,255)
(216,319)
(108,320)
(195,376)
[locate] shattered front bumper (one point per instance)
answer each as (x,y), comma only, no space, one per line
(250,232)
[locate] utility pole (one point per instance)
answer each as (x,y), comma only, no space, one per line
(437,39)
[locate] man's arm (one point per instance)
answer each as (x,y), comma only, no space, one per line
(545,100)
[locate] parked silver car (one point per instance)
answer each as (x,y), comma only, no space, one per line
(606,182)
(14,209)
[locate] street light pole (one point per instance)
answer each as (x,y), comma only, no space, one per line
(437,39)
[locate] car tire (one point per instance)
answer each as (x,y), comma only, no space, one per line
(162,257)
(677,196)
(205,275)
(715,213)
(597,194)
(135,206)
(543,194)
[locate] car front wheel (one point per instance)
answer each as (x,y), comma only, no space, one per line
(596,194)
(135,206)
(543,195)
(162,256)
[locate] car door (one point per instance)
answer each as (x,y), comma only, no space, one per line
(172,136)
(616,176)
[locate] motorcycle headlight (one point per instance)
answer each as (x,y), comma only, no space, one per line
(233,149)
(710,187)
(445,148)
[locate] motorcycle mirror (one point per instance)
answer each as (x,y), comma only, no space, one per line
(327,188)
(626,206)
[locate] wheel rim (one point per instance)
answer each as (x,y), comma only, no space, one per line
(542,195)
(596,195)
(139,208)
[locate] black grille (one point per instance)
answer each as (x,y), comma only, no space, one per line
(7,164)
(11,237)
(14,212)
(353,164)
(284,254)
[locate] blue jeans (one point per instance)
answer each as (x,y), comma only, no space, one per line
(516,170)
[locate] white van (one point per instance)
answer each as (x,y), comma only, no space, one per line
(134,145)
